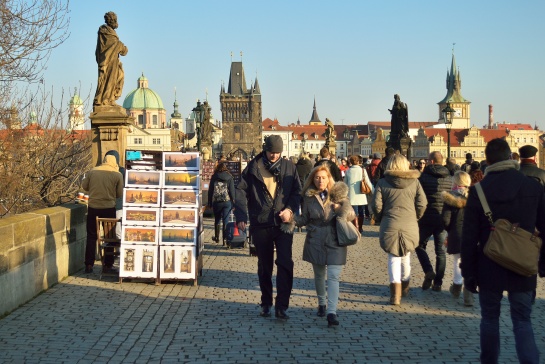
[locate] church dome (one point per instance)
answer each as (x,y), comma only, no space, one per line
(143,97)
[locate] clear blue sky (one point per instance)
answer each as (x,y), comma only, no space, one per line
(353,56)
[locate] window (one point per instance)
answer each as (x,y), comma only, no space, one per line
(156,141)
(342,146)
(140,119)
(137,140)
(155,120)
(296,145)
(238,132)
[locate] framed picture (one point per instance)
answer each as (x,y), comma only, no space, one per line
(178,235)
(141,197)
(180,198)
(177,262)
(139,235)
(179,217)
(183,179)
(136,178)
(138,261)
(181,161)
(200,247)
(140,216)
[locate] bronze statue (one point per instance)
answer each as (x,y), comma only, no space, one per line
(206,132)
(400,118)
(330,131)
(110,69)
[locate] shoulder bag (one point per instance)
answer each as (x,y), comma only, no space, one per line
(347,233)
(508,245)
(364,187)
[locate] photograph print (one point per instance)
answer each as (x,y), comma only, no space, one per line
(180,198)
(140,216)
(185,179)
(135,178)
(141,197)
(177,262)
(178,236)
(181,161)
(139,235)
(179,217)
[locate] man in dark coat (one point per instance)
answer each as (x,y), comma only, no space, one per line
(528,165)
(379,173)
(519,199)
(304,166)
(434,179)
(333,168)
(268,186)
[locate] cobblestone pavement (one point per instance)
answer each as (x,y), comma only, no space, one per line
(84,320)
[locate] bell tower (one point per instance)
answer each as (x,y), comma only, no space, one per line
(462,107)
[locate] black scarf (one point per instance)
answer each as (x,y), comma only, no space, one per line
(273,168)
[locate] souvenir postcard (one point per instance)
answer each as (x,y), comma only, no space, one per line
(138,261)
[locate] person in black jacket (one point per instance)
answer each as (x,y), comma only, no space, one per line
(519,199)
(333,168)
(221,197)
(268,186)
(528,165)
(434,179)
(304,166)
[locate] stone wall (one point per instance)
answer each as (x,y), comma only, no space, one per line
(37,250)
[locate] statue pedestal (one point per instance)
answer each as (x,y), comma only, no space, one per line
(109,128)
(405,146)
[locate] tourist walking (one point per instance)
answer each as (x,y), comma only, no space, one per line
(512,196)
(221,197)
(399,201)
(268,186)
(453,217)
(353,180)
(324,202)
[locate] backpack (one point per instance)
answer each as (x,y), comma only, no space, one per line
(221,194)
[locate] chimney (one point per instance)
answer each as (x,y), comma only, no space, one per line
(490,116)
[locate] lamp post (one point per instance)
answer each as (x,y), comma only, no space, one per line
(199,116)
(448,112)
(303,141)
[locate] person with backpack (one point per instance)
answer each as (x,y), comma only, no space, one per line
(221,197)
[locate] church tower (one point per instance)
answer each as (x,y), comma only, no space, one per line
(314,118)
(462,107)
(76,116)
(241,115)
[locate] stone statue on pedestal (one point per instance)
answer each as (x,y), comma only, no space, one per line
(399,128)
(110,70)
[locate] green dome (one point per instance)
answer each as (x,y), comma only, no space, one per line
(143,97)
(76,100)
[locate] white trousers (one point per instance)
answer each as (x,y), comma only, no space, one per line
(457,271)
(399,268)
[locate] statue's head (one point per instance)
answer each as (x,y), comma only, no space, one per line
(111,19)
(396,97)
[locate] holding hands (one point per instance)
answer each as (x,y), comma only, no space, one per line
(285,215)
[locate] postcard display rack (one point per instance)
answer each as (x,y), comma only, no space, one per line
(162,230)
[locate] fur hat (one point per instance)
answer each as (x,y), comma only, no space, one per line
(274,144)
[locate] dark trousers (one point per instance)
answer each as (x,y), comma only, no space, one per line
(91,246)
(221,212)
(439,236)
(265,240)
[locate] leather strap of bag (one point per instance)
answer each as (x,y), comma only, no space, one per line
(482,198)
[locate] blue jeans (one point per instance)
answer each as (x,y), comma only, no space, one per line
(439,236)
(221,212)
(521,310)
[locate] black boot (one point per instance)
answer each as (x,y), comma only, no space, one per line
(321,311)
(216,237)
(332,320)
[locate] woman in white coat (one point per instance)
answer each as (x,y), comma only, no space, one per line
(352,178)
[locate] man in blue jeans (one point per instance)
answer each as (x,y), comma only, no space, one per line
(435,178)
(519,199)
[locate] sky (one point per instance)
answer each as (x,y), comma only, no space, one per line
(351,56)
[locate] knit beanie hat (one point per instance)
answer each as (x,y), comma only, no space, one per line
(274,144)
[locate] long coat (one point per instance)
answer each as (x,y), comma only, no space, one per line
(321,245)
(400,201)
(434,179)
(353,178)
(453,218)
